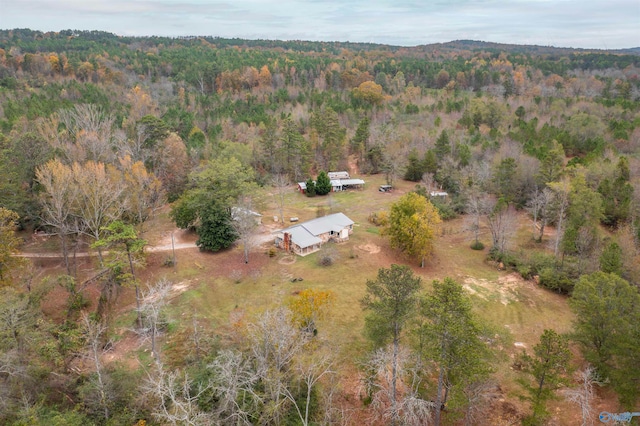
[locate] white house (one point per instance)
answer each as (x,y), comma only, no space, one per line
(307,237)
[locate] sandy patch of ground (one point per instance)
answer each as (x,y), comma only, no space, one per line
(288,260)
(504,289)
(369,248)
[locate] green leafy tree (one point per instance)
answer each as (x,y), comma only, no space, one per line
(323,184)
(391,302)
(412,225)
(504,179)
(583,216)
(443,146)
(450,336)
(548,366)
(330,147)
(122,238)
(360,141)
(611,259)
(310,189)
(552,164)
(617,195)
(294,150)
(430,161)
(607,310)
(207,206)
(216,231)
(415,167)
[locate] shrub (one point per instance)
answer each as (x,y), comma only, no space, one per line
(378,218)
(327,256)
(556,280)
(477,245)
(411,109)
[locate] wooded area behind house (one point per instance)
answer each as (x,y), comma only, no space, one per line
(103,137)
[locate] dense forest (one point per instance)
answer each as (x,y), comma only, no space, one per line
(99,132)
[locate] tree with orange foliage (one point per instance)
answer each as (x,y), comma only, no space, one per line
(264,78)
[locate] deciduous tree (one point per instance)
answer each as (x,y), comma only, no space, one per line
(309,306)
(412,225)
(59,199)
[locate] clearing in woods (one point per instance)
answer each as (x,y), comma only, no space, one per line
(220,291)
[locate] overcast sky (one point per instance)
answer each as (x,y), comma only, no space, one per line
(601,24)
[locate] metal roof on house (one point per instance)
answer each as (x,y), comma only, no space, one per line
(302,237)
(325,224)
(306,234)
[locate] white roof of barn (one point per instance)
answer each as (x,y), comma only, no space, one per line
(352,181)
(306,234)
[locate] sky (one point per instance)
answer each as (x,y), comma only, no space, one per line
(596,24)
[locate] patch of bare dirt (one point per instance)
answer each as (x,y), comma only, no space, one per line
(122,350)
(369,248)
(287,260)
(504,289)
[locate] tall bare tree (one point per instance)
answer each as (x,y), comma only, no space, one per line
(409,409)
(154,300)
(94,341)
(310,370)
(234,384)
(174,398)
(245,222)
(502,224)
(561,191)
(583,395)
(275,342)
(89,133)
(280,184)
(539,206)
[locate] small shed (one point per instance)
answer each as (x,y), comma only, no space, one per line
(441,194)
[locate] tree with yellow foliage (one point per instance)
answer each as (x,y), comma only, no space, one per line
(309,306)
(368,92)
(412,225)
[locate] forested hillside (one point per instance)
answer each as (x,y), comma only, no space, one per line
(98,133)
